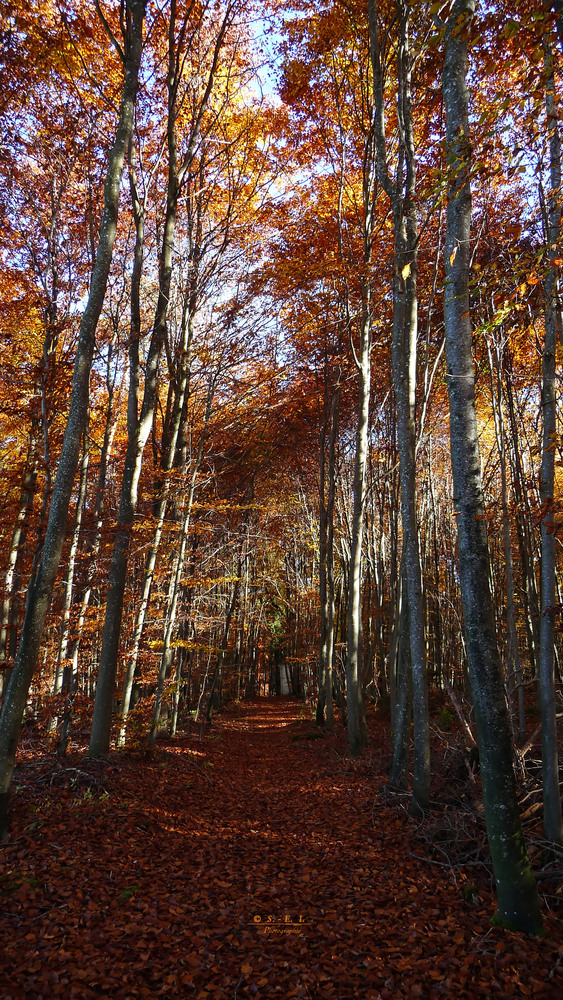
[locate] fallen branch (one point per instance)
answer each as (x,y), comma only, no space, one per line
(453,698)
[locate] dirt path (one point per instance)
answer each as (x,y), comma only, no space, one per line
(247,862)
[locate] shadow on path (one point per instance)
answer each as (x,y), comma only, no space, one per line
(245,862)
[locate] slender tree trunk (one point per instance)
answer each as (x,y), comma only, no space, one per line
(402,196)
(159,514)
(514,671)
(327,491)
(323,530)
(94,541)
(402,704)
(331,498)
(517,896)
(139,430)
(175,586)
(62,678)
(41,587)
(357,730)
(552,818)
(69,582)
(525,541)
(233,602)
(19,535)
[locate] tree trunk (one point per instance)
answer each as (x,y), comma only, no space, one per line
(92,549)
(357,730)
(330,631)
(517,896)
(19,535)
(41,587)
(139,429)
(514,669)
(402,705)
(180,396)
(401,191)
(552,818)
(69,582)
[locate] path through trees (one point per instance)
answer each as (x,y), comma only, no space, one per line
(157,878)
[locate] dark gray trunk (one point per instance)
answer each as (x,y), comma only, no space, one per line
(517,897)
(552,819)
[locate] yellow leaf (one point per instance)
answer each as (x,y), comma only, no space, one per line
(452,258)
(406,271)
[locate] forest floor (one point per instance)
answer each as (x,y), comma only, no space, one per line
(251,860)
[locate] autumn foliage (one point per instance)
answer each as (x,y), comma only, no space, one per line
(255,248)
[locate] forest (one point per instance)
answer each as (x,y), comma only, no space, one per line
(281,497)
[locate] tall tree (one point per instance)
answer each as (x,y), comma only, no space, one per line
(183,29)
(552,817)
(41,586)
(517,897)
(401,191)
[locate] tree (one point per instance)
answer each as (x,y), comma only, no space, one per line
(41,586)
(181,32)
(401,191)
(553,820)
(517,896)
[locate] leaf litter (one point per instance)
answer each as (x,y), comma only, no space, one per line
(247,860)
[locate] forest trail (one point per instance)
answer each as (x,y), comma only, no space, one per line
(247,860)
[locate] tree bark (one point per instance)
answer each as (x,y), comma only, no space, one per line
(401,191)
(18,538)
(514,668)
(517,897)
(357,730)
(552,818)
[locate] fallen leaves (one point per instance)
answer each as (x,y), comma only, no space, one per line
(152,887)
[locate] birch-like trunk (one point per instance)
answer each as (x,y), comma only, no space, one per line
(62,673)
(517,897)
(175,585)
(69,581)
(95,540)
(357,730)
(160,514)
(18,538)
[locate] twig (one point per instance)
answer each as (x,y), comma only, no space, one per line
(453,698)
